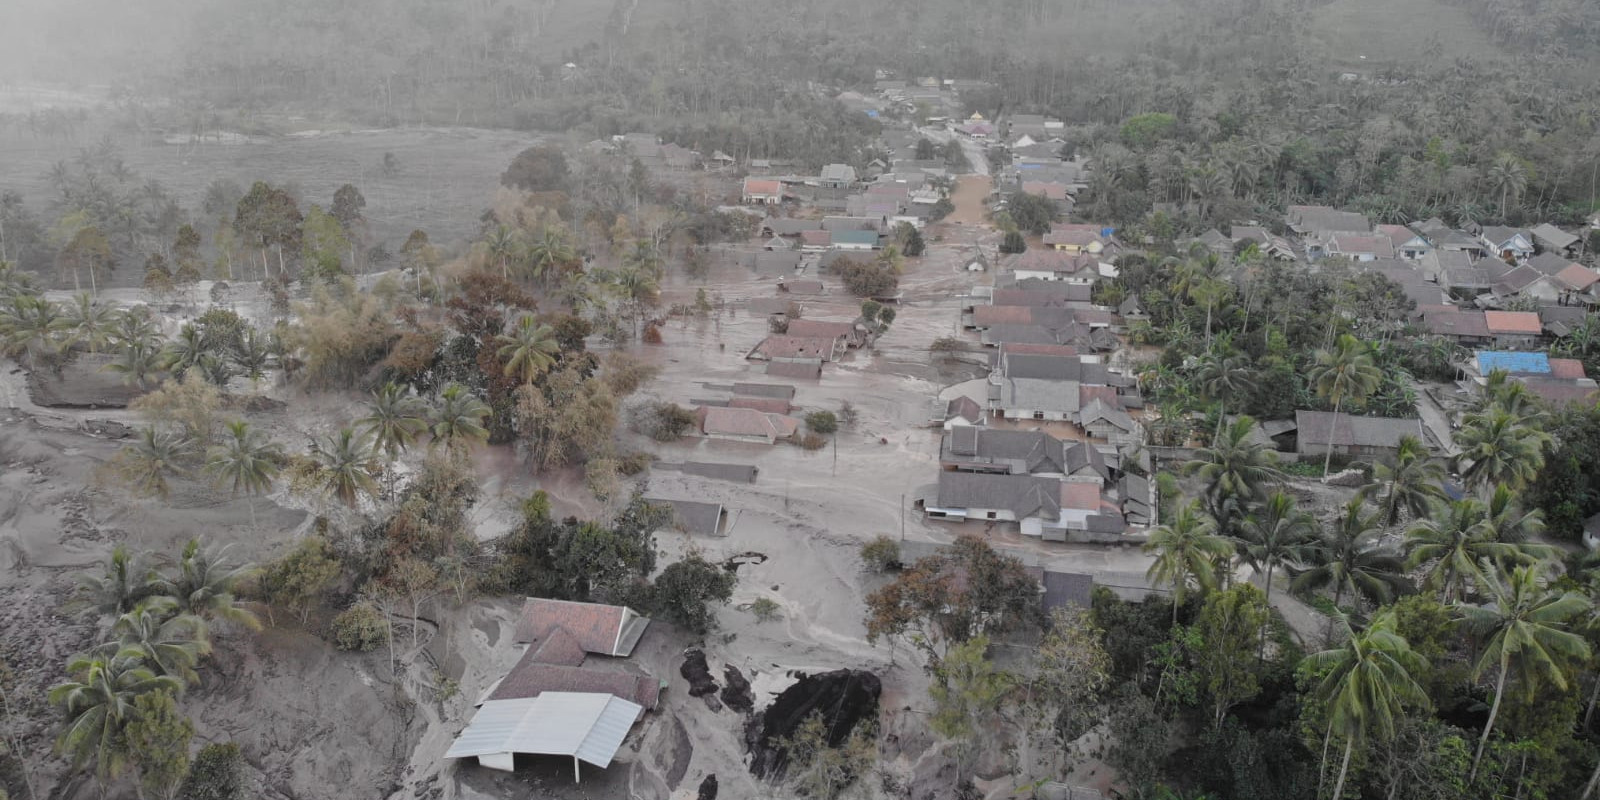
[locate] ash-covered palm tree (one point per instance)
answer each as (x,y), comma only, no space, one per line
(1509,177)
(31,327)
(502,246)
(1457,544)
(1236,471)
(347,467)
(457,418)
(154,456)
(246,461)
(125,579)
(1188,553)
(1276,535)
(89,323)
(202,580)
(1526,628)
(1350,559)
(1368,683)
(529,350)
(99,703)
(1223,379)
(1413,483)
(1499,449)
(394,419)
(136,361)
(252,354)
(547,253)
(193,349)
(158,633)
(1344,372)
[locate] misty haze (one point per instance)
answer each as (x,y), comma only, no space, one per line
(743,399)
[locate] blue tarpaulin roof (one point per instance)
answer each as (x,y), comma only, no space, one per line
(1512,362)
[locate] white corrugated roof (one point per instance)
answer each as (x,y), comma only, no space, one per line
(585,725)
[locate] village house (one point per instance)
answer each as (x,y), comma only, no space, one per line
(1523,281)
(763,191)
(1554,240)
(1054,265)
(1044,507)
(1354,246)
(1468,327)
(962,411)
(1434,263)
(1449,240)
(845,334)
(1512,245)
(1270,245)
(744,425)
(1407,243)
(1105,420)
(837,176)
(1086,239)
(1318,223)
(694,516)
(782,226)
(1365,437)
(1013,452)
(1558,381)
(1514,330)
(792,348)
(855,240)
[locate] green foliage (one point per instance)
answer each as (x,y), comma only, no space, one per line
(159,737)
(1139,738)
(1013,243)
(542,168)
(1033,213)
(216,774)
(866,278)
(823,422)
(1231,623)
(765,609)
(816,770)
(684,593)
(967,691)
(935,608)
(361,627)
(298,580)
(573,560)
(1139,628)
(1144,130)
(881,554)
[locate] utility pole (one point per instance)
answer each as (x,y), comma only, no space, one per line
(902,516)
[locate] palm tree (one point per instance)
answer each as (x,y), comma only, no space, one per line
(1187,551)
(1498,448)
(1512,524)
(1346,372)
(90,323)
(202,583)
(393,420)
(1509,177)
(247,460)
(99,703)
(125,580)
(1350,559)
(1525,625)
(502,246)
(252,354)
(1369,681)
(160,635)
(154,456)
(30,325)
(1413,483)
(1236,471)
(548,252)
(138,360)
(192,349)
(458,418)
(348,468)
(1224,378)
(1276,536)
(529,350)
(1457,540)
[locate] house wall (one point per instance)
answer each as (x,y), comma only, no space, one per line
(733,437)
(1516,342)
(1033,414)
(506,762)
(1029,274)
(852,246)
(999,514)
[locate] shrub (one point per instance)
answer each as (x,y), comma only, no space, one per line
(812,441)
(823,422)
(867,278)
(947,344)
(847,414)
(880,554)
(361,628)
(216,774)
(672,421)
(652,334)
(765,609)
(1013,243)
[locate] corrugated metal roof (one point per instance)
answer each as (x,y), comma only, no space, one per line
(587,726)
(1513,362)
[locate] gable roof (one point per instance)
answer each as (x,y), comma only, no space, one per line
(809,369)
(1043,293)
(816,328)
(1052,190)
(1053,261)
(1325,219)
(530,679)
(735,422)
(1023,495)
(796,347)
(1512,362)
(756,186)
(869,238)
(1063,589)
(601,629)
(1317,427)
(964,407)
(1452,321)
(766,405)
(1099,411)
(1499,235)
(693,516)
(839,172)
(1361,244)
(1577,277)
(1514,322)
(1516,280)
(1570,369)
(1549,263)
(587,726)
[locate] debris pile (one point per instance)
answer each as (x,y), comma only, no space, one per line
(843,697)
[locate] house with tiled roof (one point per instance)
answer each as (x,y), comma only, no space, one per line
(1525,281)
(1468,327)
(593,628)
(789,348)
(1090,239)
(1356,246)
(1507,244)
(1318,431)
(1066,266)
(763,191)
(743,424)
(1514,329)
(1554,240)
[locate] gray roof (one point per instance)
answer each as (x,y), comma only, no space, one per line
(738,473)
(1018,452)
(693,516)
(781,391)
(1023,495)
(1322,219)
(1552,236)
(1549,263)
(1313,427)
(1098,411)
(777,260)
(1056,368)
(1066,589)
(1500,234)
(1035,394)
(839,172)
(583,725)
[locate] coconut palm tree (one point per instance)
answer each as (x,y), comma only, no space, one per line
(348,468)
(1345,372)
(247,460)
(125,579)
(202,582)
(529,350)
(502,247)
(90,323)
(1525,628)
(1235,470)
(1276,535)
(137,361)
(458,418)
(1498,448)
(1509,177)
(1188,552)
(1367,683)
(1223,378)
(393,420)
(152,457)
(1413,483)
(1457,541)
(549,252)
(193,349)
(1512,524)
(159,634)
(1350,559)
(30,326)
(99,704)
(252,354)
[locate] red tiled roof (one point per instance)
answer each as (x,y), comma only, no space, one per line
(1088,394)
(1522,322)
(559,647)
(766,405)
(785,426)
(596,627)
(1562,392)
(753,186)
(531,679)
(796,347)
(735,422)
(1567,369)
(985,316)
(1081,496)
(818,238)
(795,369)
(819,329)
(1456,322)
(1577,277)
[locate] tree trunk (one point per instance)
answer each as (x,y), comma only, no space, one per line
(1327,460)
(1344,769)
(1494,710)
(1594,782)
(1261,654)
(1322,764)
(1594,695)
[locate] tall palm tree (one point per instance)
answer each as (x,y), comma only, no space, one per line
(202,582)
(1236,471)
(1369,681)
(247,460)
(1277,535)
(393,420)
(458,418)
(1458,542)
(30,326)
(124,580)
(1497,447)
(90,323)
(502,246)
(1188,552)
(1511,523)
(99,704)
(1413,483)
(152,457)
(137,361)
(529,350)
(549,252)
(1525,627)
(252,354)
(193,349)
(1509,177)
(348,468)
(159,634)
(1345,372)
(1350,559)
(1223,378)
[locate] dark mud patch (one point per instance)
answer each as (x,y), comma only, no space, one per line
(736,690)
(697,673)
(734,562)
(708,788)
(844,698)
